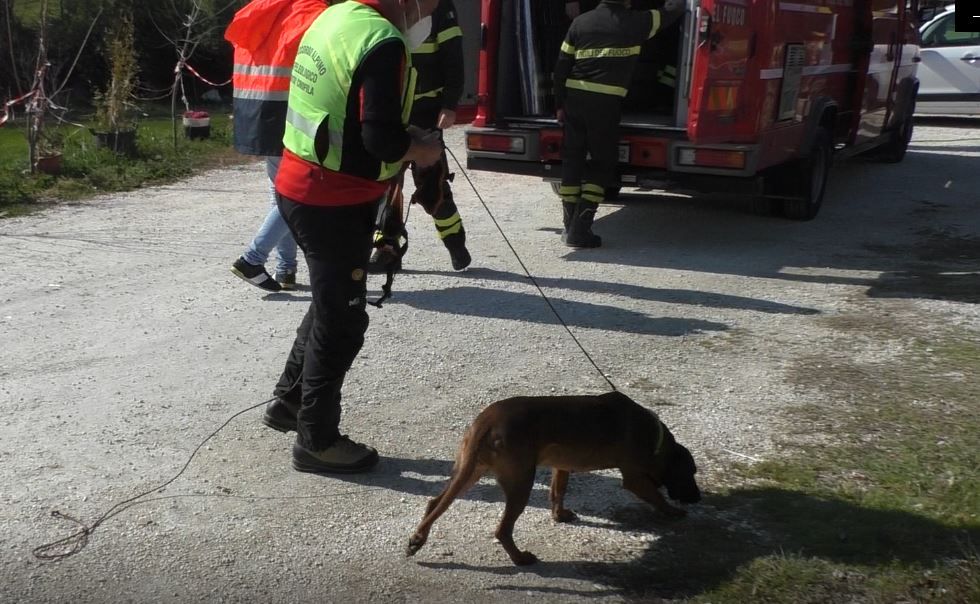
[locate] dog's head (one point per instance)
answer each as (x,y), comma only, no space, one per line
(679,475)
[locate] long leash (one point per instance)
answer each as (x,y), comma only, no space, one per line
(528,272)
(76,542)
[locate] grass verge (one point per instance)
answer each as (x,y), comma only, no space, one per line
(890,512)
(883,506)
(88,171)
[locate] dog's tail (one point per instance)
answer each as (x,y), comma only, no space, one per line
(465,473)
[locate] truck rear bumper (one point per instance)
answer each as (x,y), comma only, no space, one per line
(631,176)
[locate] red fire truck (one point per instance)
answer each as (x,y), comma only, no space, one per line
(765,93)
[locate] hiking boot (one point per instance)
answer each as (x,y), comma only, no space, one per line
(280,415)
(460,257)
(380,259)
(287,278)
(344,456)
(255,274)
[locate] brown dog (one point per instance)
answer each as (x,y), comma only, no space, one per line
(571,434)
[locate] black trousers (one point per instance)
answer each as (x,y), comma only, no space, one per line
(336,242)
(591,129)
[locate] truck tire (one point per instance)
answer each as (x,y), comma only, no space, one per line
(894,150)
(811,181)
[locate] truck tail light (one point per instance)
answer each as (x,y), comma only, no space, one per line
(495,142)
(711,158)
(723,99)
(550,145)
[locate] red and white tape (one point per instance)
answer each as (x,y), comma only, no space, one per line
(6,106)
(199,76)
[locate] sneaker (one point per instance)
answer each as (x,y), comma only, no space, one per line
(280,415)
(380,259)
(460,257)
(287,278)
(344,456)
(254,274)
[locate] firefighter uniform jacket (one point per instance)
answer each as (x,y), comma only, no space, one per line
(601,49)
(266,36)
(439,62)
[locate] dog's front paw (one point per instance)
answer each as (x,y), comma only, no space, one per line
(564,515)
(524,558)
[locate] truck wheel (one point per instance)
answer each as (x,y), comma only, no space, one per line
(894,151)
(812,183)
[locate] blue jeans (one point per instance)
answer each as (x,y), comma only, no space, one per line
(274,233)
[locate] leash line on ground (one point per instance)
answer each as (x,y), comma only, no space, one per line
(528,272)
(76,542)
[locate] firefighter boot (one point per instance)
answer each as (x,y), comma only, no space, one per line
(579,233)
(567,211)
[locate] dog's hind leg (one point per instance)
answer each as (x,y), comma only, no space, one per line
(463,478)
(516,484)
(641,485)
(559,483)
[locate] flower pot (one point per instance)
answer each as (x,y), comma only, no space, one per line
(197,124)
(122,142)
(49,164)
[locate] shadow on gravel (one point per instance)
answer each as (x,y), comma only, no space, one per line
(698,554)
(427,477)
(636,292)
(500,304)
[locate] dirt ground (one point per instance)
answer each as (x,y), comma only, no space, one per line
(126,341)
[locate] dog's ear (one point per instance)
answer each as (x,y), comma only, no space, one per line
(679,475)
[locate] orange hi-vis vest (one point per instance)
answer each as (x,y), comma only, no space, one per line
(266,36)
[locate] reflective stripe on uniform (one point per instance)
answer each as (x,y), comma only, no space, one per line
(569,193)
(431,94)
(426,48)
(261,95)
(656,23)
(667,76)
(592,192)
(310,128)
(448,226)
(448,34)
(567,48)
(602,53)
(596,87)
(262,70)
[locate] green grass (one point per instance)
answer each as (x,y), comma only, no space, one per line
(88,171)
(874,497)
(891,511)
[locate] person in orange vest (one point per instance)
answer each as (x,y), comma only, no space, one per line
(266,36)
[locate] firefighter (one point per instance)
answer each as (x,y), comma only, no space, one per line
(439,63)
(592,77)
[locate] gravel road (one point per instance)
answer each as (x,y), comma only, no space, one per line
(126,341)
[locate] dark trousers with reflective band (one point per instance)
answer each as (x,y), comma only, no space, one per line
(590,148)
(336,242)
(432,190)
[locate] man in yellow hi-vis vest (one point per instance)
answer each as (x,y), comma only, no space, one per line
(346,137)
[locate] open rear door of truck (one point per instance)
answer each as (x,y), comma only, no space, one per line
(721,107)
